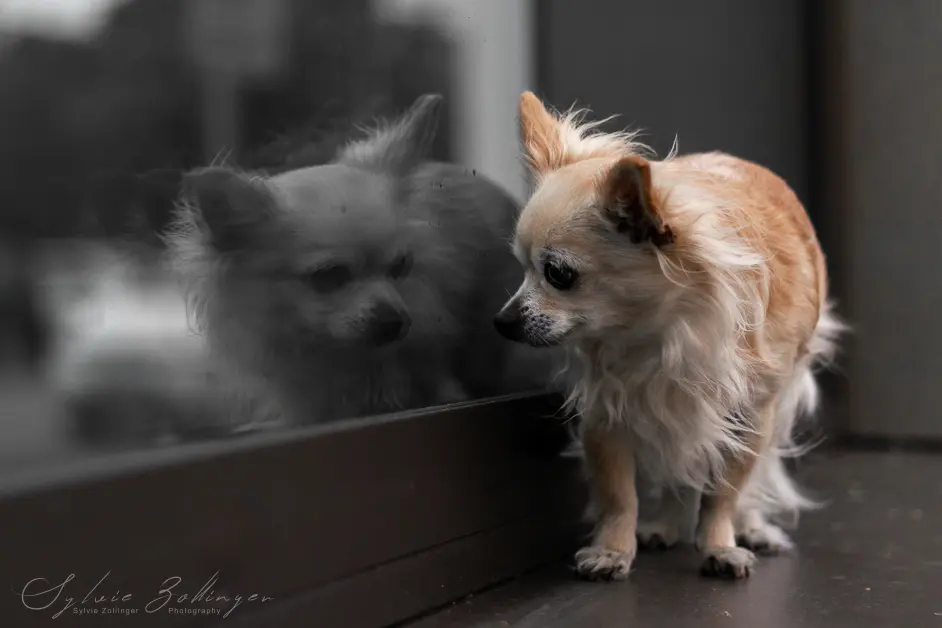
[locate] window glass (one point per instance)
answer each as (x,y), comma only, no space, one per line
(221,217)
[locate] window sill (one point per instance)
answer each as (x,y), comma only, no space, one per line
(361,524)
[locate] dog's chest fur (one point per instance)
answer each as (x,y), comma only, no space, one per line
(682,429)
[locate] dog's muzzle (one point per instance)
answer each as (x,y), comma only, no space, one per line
(512,324)
(509,323)
(387,325)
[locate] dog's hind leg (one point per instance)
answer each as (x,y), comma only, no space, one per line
(755,532)
(771,494)
(667,521)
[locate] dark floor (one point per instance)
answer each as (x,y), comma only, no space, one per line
(871,557)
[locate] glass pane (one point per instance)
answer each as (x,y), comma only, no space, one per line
(208,230)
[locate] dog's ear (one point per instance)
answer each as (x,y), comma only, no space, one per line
(628,202)
(229,206)
(540,135)
(403,144)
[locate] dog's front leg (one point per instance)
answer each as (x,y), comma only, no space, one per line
(716,532)
(610,463)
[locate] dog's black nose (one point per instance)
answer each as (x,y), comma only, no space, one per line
(388,324)
(509,323)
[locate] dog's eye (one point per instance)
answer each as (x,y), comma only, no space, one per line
(559,276)
(401,266)
(329,279)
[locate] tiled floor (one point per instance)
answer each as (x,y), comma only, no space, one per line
(871,557)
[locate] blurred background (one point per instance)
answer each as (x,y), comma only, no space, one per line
(103,103)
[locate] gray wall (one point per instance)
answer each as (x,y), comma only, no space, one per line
(725,74)
(493,65)
(885,118)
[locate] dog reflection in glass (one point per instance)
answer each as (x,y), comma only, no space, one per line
(362,286)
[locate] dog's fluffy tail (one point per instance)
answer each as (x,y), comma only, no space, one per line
(771,490)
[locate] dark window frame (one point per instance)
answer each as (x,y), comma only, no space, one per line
(364,523)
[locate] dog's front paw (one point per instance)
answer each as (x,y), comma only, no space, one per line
(600,563)
(767,540)
(733,563)
(657,535)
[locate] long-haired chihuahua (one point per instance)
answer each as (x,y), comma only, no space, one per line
(693,293)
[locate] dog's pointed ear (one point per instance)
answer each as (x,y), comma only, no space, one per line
(540,135)
(629,204)
(402,145)
(230,207)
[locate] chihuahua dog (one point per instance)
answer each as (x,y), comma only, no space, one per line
(366,285)
(693,293)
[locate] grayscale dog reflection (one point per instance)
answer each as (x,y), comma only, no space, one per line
(363,286)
